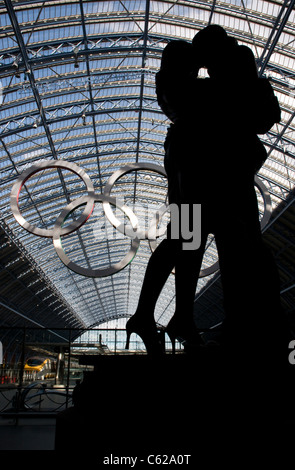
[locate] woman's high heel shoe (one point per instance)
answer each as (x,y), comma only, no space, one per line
(147,330)
(172,336)
(185,332)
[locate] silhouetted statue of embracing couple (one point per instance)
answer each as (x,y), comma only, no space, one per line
(212,154)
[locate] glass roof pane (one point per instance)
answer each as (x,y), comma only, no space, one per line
(91,100)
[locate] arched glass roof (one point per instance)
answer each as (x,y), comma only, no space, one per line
(78,84)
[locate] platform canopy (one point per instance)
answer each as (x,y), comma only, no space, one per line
(78,85)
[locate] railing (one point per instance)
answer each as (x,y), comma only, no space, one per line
(26,391)
(33,400)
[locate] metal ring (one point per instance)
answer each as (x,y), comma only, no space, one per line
(21,180)
(89,272)
(266,199)
(127,229)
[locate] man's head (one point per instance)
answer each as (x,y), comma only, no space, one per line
(208,45)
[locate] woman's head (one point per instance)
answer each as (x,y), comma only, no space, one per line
(178,56)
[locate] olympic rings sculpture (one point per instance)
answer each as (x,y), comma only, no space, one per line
(132,231)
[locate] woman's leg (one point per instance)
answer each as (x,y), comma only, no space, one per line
(159,267)
(187,270)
